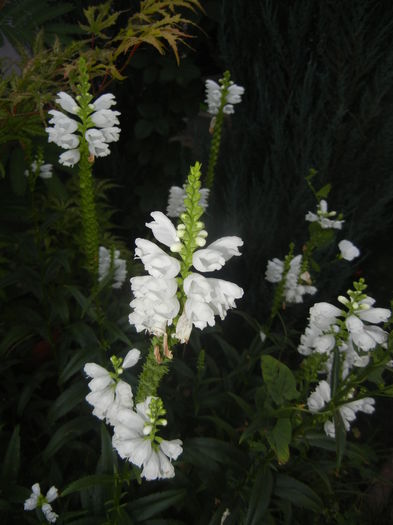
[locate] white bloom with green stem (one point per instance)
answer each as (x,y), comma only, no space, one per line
(37,500)
(324,217)
(135,439)
(108,393)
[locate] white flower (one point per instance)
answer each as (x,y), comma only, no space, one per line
(322,217)
(36,499)
(132,443)
(155,304)
(207,298)
(105,118)
(216,254)
(317,400)
(67,103)
(323,315)
(50,516)
(32,501)
(108,396)
(156,262)
(118,265)
(104,102)
(70,157)
(97,144)
(163,229)
(348,250)
(274,270)
(176,200)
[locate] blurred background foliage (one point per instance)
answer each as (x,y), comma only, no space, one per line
(318,79)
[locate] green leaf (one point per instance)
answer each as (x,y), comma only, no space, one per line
(67,401)
(86,482)
(279,439)
(65,434)
(280,381)
(149,506)
(323,193)
(260,497)
(341,437)
(11,461)
(297,492)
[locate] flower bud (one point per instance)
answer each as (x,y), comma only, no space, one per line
(200,241)
(343,300)
(177,247)
(147,429)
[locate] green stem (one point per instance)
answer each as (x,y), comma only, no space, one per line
(151,375)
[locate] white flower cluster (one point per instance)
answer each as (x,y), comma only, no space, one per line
(63,133)
(296,284)
(214,94)
(108,396)
(355,336)
(323,217)
(176,200)
(105,262)
(156,304)
(112,400)
(37,500)
(45,171)
(322,396)
(132,442)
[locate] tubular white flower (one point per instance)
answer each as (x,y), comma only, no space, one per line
(97,145)
(50,516)
(105,118)
(70,157)
(216,254)
(318,399)
(32,501)
(348,250)
(111,134)
(208,297)
(105,101)
(323,315)
(156,262)
(155,304)
(163,229)
(67,103)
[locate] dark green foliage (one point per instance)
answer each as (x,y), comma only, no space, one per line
(318,78)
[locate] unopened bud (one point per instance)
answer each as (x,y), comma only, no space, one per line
(147,429)
(200,241)
(343,300)
(203,233)
(177,247)
(200,225)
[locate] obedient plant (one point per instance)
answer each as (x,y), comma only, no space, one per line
(38,501)
(220,99)
(85,135)
(345,340)
(167,303)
